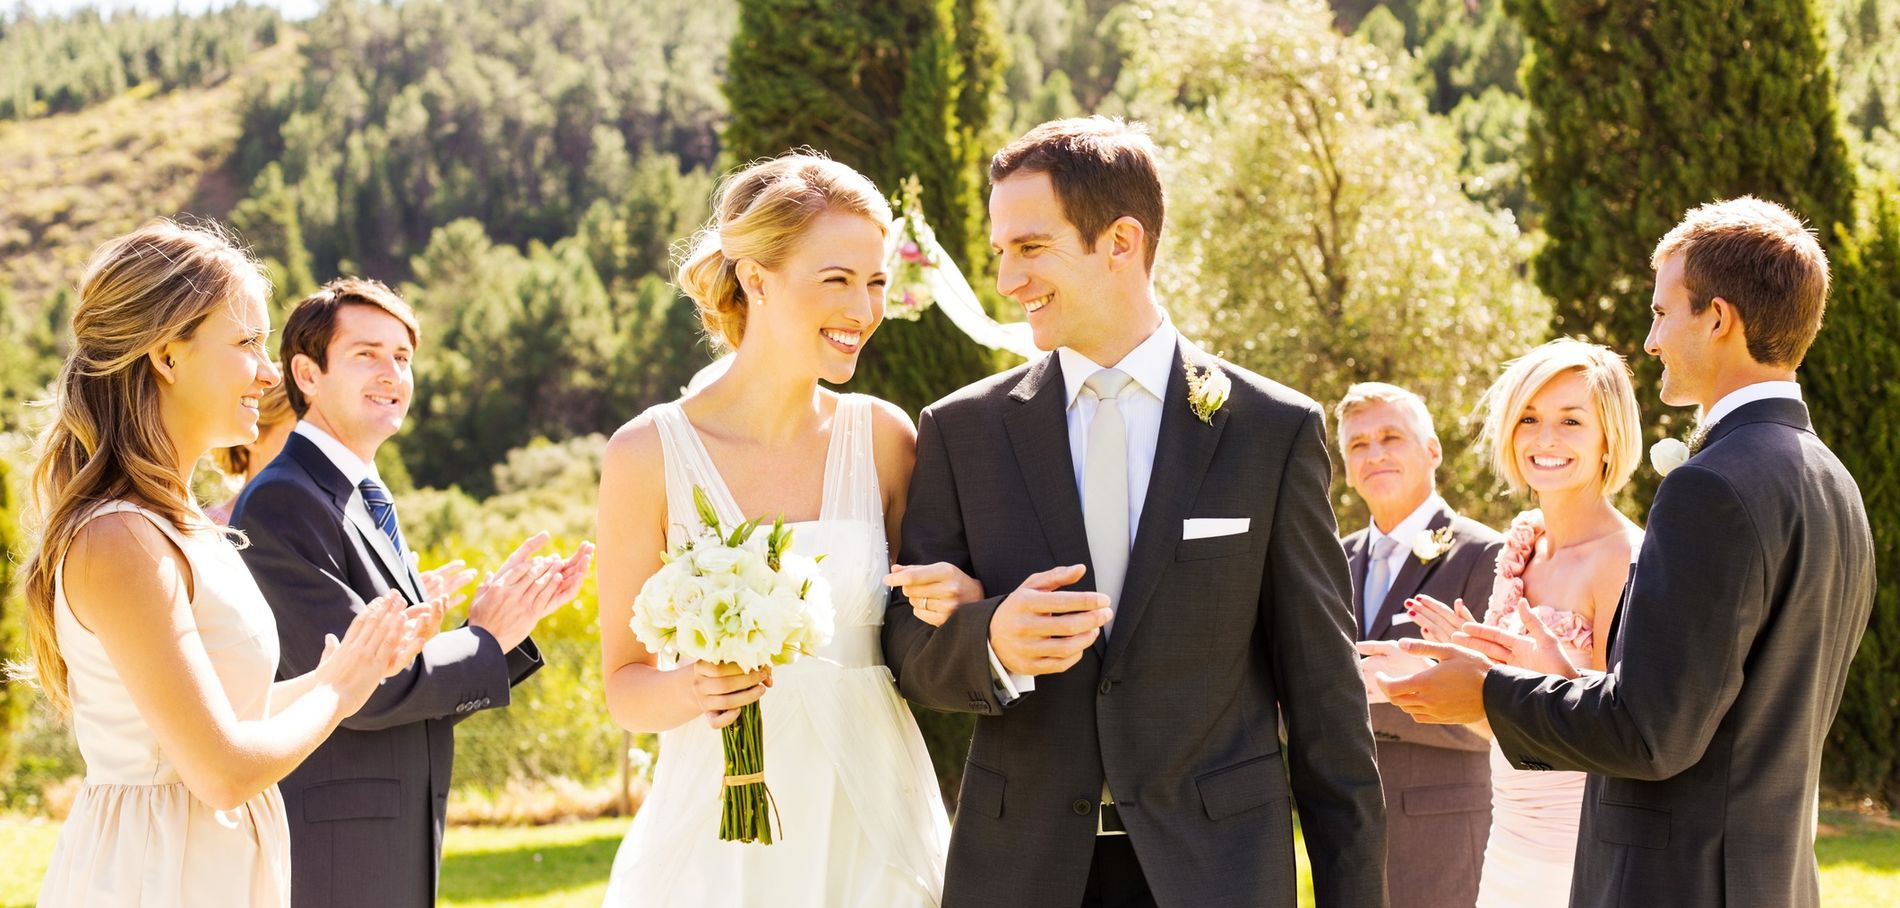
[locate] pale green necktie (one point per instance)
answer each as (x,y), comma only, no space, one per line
(1105,485)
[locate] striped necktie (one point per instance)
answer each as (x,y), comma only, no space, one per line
(382,510)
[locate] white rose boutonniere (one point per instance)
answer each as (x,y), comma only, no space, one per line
(1208,388)
(1430,544)
(1668,454)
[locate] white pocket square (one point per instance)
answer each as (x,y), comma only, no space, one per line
(1404,619)
(1208,527)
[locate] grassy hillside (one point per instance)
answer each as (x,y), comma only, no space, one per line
(75,180)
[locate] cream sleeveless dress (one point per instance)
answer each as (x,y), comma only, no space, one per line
(861,824)
(136,836)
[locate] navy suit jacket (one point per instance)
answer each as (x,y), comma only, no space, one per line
(367,808)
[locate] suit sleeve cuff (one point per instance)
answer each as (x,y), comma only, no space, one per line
(1009,685)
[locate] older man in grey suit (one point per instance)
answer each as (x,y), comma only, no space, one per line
(1754,586)
(1437,778)
(1127,749)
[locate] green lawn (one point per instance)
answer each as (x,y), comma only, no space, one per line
(566,865)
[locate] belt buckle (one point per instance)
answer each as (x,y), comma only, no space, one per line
(1108,820)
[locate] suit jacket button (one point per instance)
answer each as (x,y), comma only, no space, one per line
(1081,807)
(1106,684)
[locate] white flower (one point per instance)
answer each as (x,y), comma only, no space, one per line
(1208,388)
(1429,544)
(1668,454)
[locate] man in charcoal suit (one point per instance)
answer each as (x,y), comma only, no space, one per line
(1730,651)
(1127,748)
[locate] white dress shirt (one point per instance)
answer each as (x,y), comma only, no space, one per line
(1748,394)
(1404,534)
(355,471)
(1149,366)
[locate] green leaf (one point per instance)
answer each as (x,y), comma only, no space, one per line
(704,506)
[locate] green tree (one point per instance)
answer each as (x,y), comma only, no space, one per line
(1319,234)
(267,220)
(1852,382)
(893,89)
(14,696)
(1646,109)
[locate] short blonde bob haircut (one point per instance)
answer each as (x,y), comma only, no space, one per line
(1607,376)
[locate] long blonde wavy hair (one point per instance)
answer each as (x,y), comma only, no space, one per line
(106,441)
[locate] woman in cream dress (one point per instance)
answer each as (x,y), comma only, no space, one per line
(145,626)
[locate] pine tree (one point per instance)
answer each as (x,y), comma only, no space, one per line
(892,89)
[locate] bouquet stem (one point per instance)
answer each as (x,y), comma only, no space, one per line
(746,805)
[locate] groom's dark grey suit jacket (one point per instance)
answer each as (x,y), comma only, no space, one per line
(1216,642)
(367,808)
(1727,661)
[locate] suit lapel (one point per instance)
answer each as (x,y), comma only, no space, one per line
(1356,563)
(370,541)
(1038,428)
(1411,577)
(1182,453)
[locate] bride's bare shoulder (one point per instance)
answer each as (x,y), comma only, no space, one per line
(634,447)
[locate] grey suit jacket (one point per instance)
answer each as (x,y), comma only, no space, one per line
(367,808)
(1727,662)
(1216,641)
(1437,778)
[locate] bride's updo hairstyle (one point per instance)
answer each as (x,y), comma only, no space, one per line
(759,213)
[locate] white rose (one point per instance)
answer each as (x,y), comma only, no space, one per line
(717,559)
(1424,547)
(1215,388)
(1668,454)
(754,572)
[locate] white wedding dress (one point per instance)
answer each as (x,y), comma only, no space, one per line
(860,823)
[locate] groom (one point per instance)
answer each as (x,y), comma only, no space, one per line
(1754,585)
(1166,585)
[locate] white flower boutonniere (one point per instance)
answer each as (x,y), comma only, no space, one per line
(1668,454)
(1208,388)
(1430,544)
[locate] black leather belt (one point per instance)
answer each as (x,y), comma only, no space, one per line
(1109,821)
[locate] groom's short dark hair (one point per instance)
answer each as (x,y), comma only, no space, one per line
(1761,259)
(1103,169)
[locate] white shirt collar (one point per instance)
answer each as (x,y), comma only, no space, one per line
(351,466)
(1748,394)
(1149,364)
(1409,528)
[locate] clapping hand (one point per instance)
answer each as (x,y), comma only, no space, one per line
(447,578)
(934,590)
(1437,621)
(526,588)
(1537,649)
(1449,692)
(1385,657)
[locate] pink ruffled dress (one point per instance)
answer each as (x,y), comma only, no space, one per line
(1527,861)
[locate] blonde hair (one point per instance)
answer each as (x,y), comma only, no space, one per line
(106,441)
(1367,393)
(1606,375)
(759,213)
(273,410)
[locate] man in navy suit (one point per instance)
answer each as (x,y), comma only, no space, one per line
(367,808)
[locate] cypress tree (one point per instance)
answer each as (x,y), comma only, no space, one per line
(892,88)
(1644,109)
(1852,381)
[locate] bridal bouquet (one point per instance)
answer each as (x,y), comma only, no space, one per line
(745,599)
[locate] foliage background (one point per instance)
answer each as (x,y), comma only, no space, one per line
(1412,190)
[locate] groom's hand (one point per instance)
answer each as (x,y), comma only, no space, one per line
(1040,629)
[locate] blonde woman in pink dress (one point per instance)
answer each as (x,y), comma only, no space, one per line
(1561,423)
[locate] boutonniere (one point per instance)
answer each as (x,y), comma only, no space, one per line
(1208,388)
(1430,544)
(1668,454)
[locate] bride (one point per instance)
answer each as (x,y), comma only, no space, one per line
(790,275)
